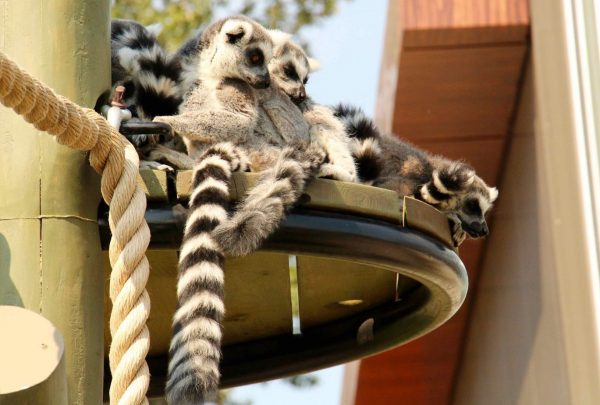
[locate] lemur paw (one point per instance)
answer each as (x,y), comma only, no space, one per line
(328,170)
(458,234)
(309,155)
(149,165)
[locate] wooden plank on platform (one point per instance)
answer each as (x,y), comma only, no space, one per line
(335,289)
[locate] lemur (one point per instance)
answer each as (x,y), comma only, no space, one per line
(227,104)
(453,187)
(150,75)
(384,160)
(290,68)
(153,86)
(256,218)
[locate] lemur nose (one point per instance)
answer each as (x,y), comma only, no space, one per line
(476,229)
(263,82)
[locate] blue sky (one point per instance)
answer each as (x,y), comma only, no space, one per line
(348,47)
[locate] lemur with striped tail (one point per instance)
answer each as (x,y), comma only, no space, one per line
(150,75)
(265,206)
(453,187)
(153,86)
(290,69)
(228,104)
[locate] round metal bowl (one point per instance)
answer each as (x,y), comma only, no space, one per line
(352,272)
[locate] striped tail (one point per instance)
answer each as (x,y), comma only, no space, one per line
(151,77)
(195,352)
(364,136)
(367,155)
(264,208)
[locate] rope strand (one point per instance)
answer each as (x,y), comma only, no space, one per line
(116,160)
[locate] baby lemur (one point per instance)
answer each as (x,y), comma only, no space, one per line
(453,187)
(289,70)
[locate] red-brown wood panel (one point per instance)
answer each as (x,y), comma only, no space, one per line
(434,14)
(457,92)
(484,154)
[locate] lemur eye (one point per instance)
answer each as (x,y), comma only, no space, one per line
(255,57)
(472,207)
(290,71)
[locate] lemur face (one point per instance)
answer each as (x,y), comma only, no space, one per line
(242,51)
(457,191)
(254,69)
(472,207)
(290,66)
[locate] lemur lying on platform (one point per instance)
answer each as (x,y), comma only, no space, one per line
(453,187)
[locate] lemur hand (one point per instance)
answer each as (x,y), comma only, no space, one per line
(458,234)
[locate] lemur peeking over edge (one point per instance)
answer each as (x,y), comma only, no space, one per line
(153,86)
(452,187)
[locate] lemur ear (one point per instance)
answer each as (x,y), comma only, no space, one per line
(155,29)
(236,31)
(493,193)
(313,65)
(279,37)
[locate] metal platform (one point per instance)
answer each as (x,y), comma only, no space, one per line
(352,272)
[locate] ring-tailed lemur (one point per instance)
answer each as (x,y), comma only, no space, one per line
(153,86)
(453,187)
(150,75)
(221,107)
(256,218)
(289,70)
(226,105)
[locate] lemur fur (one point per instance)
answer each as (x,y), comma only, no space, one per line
(232,100)
(153,86)
(195,350)
(150,75)
(453,187)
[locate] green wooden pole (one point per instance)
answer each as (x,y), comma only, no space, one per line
(50,259)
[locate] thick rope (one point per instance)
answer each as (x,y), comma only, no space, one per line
(116,160)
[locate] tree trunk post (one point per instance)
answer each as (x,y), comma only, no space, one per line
(50,257)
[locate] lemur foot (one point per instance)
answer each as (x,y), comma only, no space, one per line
(149,165)
(310,156)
